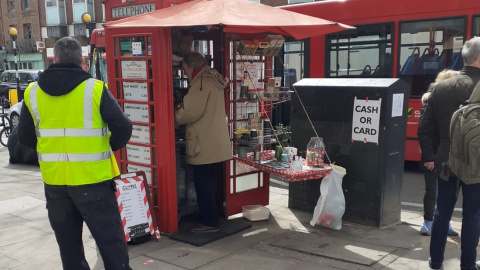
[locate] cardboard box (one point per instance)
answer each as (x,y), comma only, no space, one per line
(275,45)
(278,46)
(261,45)
(269,49)
(246,47)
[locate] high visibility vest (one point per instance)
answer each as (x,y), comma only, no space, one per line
(72,138)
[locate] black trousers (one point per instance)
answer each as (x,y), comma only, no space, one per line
(96,205)
(205,186)
(430,195)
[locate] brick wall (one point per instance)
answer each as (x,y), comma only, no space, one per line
(18,18)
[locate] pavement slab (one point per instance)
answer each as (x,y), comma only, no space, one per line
(334,248)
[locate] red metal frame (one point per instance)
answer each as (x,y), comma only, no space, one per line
(161,116)
(259,195)
(360,12)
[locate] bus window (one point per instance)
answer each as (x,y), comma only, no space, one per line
(427,47)
(363,52)
(294,62)
(476,26)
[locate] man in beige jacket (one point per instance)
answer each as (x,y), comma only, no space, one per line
(208,141)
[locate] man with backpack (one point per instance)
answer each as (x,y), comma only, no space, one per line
(446,98)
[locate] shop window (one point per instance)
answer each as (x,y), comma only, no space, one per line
(55,12)
(51,3)
(27,32)
(476,26)
(426,48)
(11,5)
(365,52)
(293,62)
(25,4)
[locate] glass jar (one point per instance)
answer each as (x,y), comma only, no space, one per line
(315,152)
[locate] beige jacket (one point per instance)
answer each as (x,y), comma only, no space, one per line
(204,114)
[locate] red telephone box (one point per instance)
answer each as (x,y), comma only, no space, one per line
(141,75)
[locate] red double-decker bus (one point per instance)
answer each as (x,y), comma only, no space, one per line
(409,39)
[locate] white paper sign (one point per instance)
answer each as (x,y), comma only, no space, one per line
(137,48)
(135,91)
(134,210)
(139,154)
(134,69)
(140,134)
(136,112)
(397,105)
(366,120)
(147,170)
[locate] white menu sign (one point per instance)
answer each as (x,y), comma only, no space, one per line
(134,210)
(136,112)
(140,154)
(366,120)
(147,170)
(140,134)
(134,69)
(135,91)
(137,48)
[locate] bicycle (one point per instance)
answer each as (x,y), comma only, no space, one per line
(7,128)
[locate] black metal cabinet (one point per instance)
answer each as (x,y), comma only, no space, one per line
(374,176)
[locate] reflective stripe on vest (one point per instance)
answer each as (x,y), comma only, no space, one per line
(72,132)
(74,157)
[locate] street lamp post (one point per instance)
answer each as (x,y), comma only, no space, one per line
(13,34)
(86,18)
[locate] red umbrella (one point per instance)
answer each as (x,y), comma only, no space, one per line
(236,16)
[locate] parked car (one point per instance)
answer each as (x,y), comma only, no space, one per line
(8,80)
(14,113)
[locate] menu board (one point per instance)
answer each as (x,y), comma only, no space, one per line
(135,91)
(139,154)
(147,170)
(134,69)
(136,112)
(140,134)
(134,206)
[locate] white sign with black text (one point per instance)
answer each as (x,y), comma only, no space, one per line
(140,134)
(366,120)
(147,170)
(136,48)
(134,69)
(139,154)
(135,91)
(136,112)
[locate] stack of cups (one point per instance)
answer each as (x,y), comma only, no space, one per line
(267,131)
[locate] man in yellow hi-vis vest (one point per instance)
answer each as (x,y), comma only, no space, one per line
(75,124)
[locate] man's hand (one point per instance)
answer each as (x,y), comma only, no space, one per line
(430,165)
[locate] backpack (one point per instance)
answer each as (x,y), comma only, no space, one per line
(464,155)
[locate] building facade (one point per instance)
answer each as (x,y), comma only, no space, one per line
(44,21)
(24,16)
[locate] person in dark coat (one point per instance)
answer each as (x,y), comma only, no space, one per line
(446,98)
(428,156)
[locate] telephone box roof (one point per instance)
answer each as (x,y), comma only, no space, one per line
(236,16)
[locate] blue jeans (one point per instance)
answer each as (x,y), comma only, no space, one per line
(446,199)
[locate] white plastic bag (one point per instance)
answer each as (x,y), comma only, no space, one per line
(331,204)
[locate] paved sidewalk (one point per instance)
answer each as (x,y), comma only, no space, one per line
(285,241)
